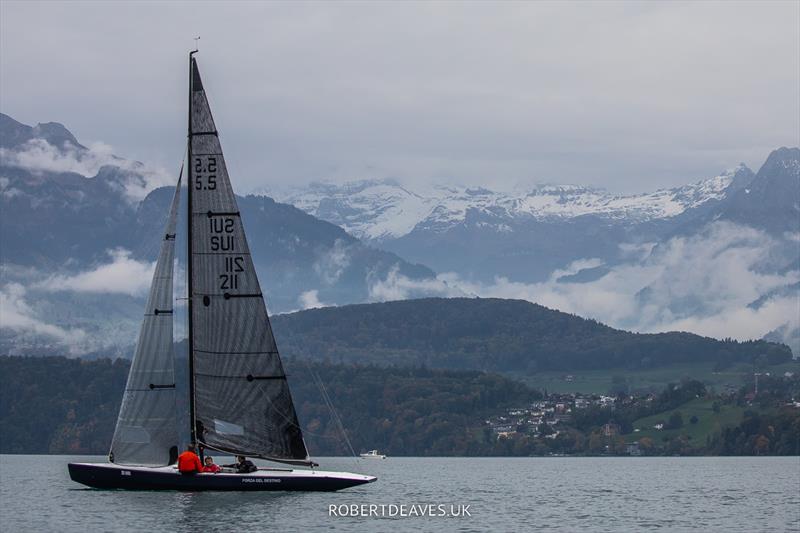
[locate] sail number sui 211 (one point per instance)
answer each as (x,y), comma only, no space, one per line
(220,228)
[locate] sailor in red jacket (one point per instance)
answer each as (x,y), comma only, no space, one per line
(209,466)
(189,462)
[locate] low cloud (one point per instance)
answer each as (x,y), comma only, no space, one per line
(310,300)
(702,284)
(331,264)
(123,275)
(17,316)
(706,284)
(397,286)
(38,156)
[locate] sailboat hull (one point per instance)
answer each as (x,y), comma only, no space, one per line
(111,476)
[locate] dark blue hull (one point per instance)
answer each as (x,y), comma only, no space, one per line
(110,476)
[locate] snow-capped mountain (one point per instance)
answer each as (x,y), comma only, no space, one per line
(383,210)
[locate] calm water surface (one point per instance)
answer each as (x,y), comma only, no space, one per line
(546,494)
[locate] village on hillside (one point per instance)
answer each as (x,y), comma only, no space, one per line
(633,424)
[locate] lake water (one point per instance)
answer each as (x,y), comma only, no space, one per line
(504,494)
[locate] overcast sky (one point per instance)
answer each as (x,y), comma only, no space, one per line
(630,96)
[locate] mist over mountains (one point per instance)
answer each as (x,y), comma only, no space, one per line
(718,257)
(79,229)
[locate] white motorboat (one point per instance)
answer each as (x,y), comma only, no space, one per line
(373,454)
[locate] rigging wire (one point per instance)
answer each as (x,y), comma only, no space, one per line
(333,412)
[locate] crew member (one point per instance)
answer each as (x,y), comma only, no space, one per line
(242,465)
(209,465)
(188,462)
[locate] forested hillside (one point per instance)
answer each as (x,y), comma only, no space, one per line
(494,335)
(61,405)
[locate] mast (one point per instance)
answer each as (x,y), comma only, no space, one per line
(189,258)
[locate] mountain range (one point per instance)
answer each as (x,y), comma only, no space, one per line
(79,229)
(385,210)
(716,256)
(525,234)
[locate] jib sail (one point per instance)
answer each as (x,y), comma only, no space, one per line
(146,433)
(240,397)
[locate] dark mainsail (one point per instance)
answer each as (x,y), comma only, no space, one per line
(146,433)
(240,397)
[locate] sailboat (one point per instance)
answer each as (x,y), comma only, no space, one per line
(239,401)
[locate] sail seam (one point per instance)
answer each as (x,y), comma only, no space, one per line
(210,214)
(248,377)
(237,353)
(228,295)
(219,253)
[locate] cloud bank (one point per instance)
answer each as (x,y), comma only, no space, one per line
(94,311)
(703,284)
(38,156)
(17,316)
(630,95)
(722,282)
(123,275)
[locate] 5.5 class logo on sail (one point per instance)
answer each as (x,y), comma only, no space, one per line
(239,399)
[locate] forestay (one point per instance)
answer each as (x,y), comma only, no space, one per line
(241,398)
(147,432)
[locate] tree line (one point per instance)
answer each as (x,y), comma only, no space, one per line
(64,405)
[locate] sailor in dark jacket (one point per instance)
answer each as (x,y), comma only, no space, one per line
(242,465)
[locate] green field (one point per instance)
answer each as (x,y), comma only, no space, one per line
(654,379)
(707,424)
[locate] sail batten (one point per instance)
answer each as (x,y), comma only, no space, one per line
(146,433)
(239,405)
